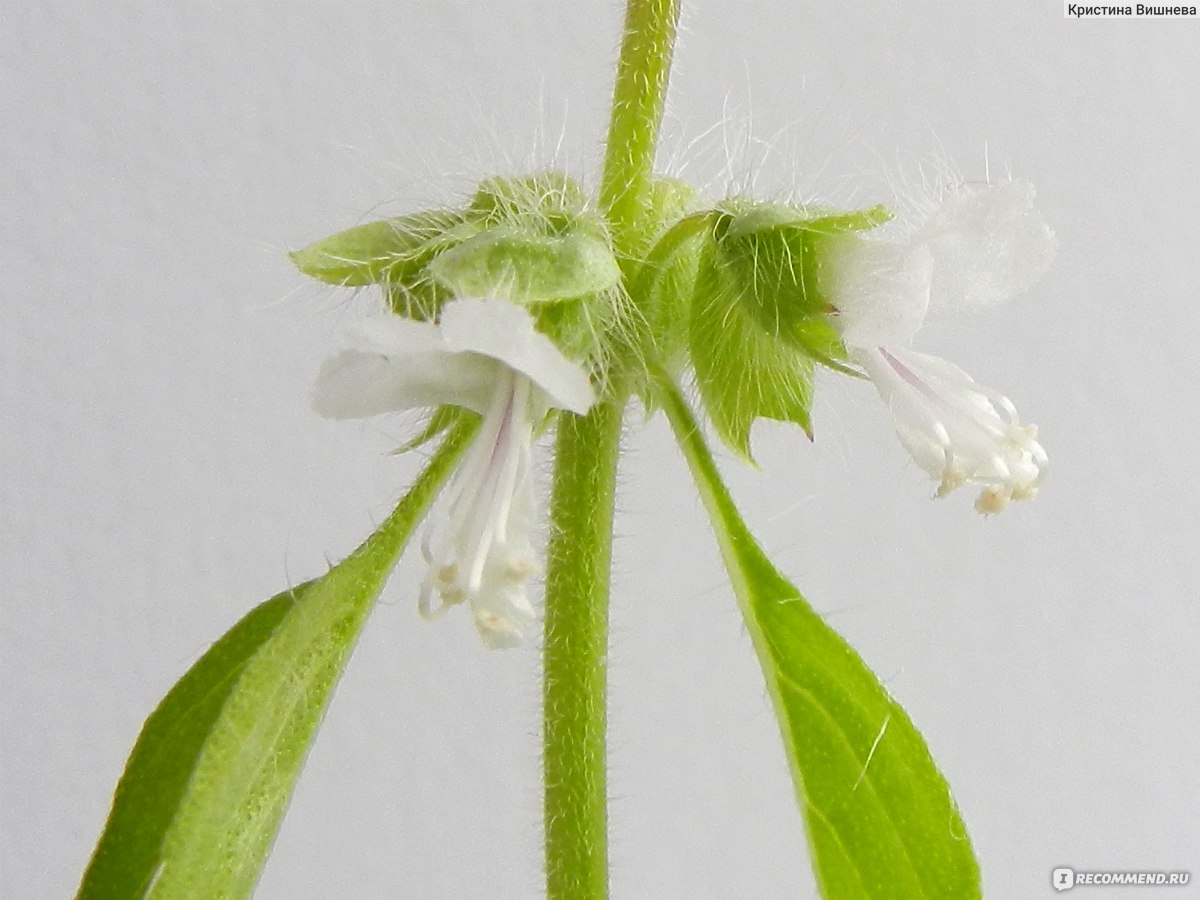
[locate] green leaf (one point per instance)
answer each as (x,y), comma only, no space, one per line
(208,781)
(391,250)
(743,371)
(527,267)
(156,777)
(880,818)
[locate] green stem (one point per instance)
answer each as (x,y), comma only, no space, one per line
(576,644)
(638,99)
(740,550)
(578,560)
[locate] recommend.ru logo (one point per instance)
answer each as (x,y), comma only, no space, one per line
(1064,878)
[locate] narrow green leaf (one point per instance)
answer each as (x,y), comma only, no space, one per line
(161,764)
(209,779)
(880,817)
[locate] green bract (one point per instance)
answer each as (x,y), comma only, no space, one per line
(743,371)
(662,287)
(526,267)
(529,239)
(388,251)
(772,255)
(552,201)
(764,217)
(758,322)
(540,242)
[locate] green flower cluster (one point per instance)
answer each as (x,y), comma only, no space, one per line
(732,291)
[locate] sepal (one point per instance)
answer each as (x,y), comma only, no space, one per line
(527,267)
(773,255)
(551,201)
(664,284)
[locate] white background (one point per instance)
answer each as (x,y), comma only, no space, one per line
(161,472)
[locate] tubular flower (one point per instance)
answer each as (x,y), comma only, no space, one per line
(486,356)
(982,245)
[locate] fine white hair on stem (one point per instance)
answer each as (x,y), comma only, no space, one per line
(813,154)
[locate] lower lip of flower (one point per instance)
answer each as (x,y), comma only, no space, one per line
(957,429)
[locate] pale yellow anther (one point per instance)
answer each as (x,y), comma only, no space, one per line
(521,569)
(1021,436)
(952,480)
(1024,491)
(991,501)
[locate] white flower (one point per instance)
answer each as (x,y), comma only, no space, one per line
(484,355)
(982,245)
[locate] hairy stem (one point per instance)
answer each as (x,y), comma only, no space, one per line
(576,644)
(638,99)
(577,577)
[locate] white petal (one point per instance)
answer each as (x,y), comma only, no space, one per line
(956,429)
(988,244)
(880,289)
(503,617)
(505,331)
(397,364)
(394,336)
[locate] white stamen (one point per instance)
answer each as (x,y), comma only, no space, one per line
(957,430)
(481,554)
(979,246)
(487,356)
